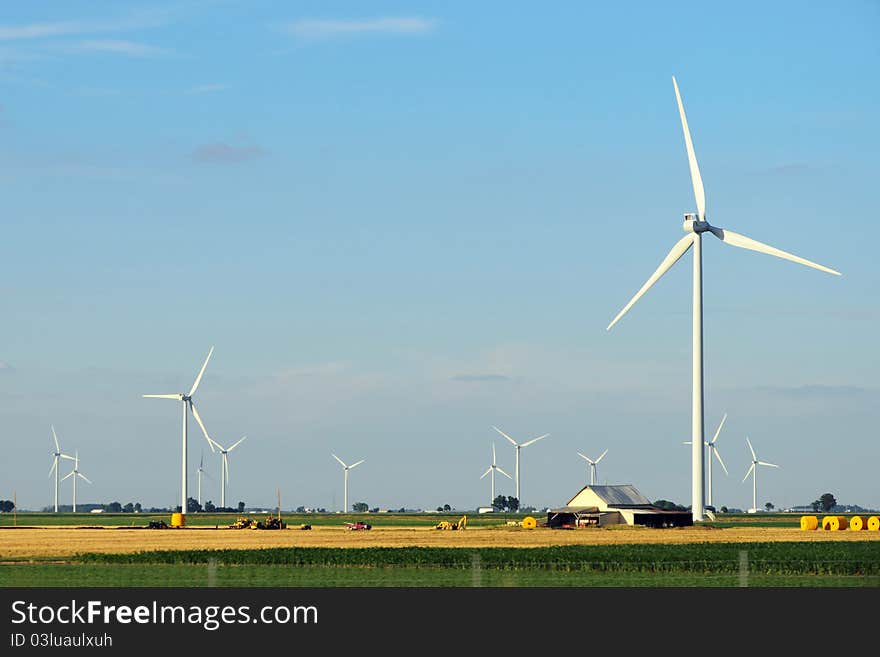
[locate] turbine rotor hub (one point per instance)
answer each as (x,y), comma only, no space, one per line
(692,224)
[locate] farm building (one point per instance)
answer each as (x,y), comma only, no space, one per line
(599,506)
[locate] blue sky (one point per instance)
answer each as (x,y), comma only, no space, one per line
(402,223)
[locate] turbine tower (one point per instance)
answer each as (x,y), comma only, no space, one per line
(695,225)
(187,401)
(593,465)
(492,469)
(201,471)
(519,446)
(56,457)
(345,469)
(753,470)
(713,449)
(75,473)
(224,466)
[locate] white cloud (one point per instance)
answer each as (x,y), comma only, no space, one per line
(68,28)
(117,46)
(322,29)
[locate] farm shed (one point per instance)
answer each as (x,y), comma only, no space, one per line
(625,504)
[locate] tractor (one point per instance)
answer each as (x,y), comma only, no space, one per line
(445,524)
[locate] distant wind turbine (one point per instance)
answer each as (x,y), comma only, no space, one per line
(519,446)
(713,449)
(491,470)
(345,469)
(224,466)
(56,457)
(75,473)
(592,465)
(201,471)
(753,470)
(695,225)
(187,401)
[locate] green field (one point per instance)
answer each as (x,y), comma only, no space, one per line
(806,564)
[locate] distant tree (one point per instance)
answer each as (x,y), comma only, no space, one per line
(241,507)
(209,507)
(113,507)
(300,509)
(192,505)
(499,503)
(769,506)
(816,504)
(446,507)
(827,501)
(402,510)
(360,507)
(137,507)
(440,508)
(375,509)
(512,504)
(6,506)
(128,508)
(669,506)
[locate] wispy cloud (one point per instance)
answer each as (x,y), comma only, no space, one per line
(324,29)
(206,88)
(119,47)
(814,391)
(223,153)
(478,378)
(70,28)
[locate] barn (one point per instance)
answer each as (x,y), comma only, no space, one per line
(600,506)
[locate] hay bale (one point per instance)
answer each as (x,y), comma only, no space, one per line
(809,523)
(857,523)
(834,523)
(874,524)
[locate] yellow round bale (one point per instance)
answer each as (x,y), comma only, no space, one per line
(874,524)
(857,523)
(529,522)
(834,523)
(809,523)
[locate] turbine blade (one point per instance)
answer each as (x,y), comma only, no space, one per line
(602,457)
(493,453)
(67,456)
(201,372)
(55,436)
(354,465)
(240,441)
(198,418)
(52,469)
(177,397)
(696,179)
(66,476)
(534,440)
(687,442)
(769,464)
(213,443)
(672,257)
(504,473)
(735,239)
(718,431)
(718,456)
(488,470)
(749,471)
(338,459)
(586,458)
(505,435)
(82,476)
(751,449)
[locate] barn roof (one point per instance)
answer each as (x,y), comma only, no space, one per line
(624,495)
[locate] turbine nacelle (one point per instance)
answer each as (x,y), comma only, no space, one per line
(692,224)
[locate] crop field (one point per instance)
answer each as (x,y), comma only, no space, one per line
(406,550)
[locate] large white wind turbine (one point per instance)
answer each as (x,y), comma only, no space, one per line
(491,470)
(713,449)
(187,401)
(519,446)
(753,470)
(345,469)
(695,225)
(75,473)
(224,466)
(56,457)
(592,464)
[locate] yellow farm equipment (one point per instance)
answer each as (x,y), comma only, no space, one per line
(446,524)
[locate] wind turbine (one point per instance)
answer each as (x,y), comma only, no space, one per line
(753,470)
(593,465)
(519,446)
(187,401)
(345,469)
(56,457)
(201,471)
(75,473)
(695,225)
(224,466)
(712,450)
(492,469)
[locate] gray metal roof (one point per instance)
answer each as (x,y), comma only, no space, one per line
(625,494)
(575,509)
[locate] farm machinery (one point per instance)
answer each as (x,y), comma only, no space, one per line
(454,525)
(356,526)
(271,522)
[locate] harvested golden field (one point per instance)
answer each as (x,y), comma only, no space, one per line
(60,542)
